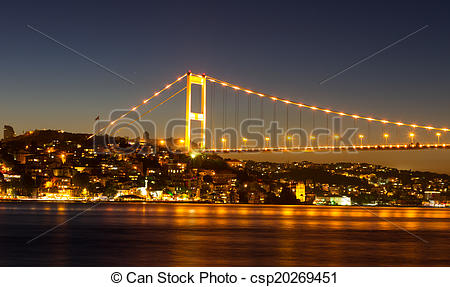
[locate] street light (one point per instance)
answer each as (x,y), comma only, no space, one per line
(245,141)
(411,136)
(224,142)
(312,138)
(361,137)
(63,158)
(336,140)
(386,137)
(289,138)
(439,137)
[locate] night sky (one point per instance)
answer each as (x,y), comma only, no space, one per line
(284,48)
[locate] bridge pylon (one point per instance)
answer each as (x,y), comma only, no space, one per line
(192,116)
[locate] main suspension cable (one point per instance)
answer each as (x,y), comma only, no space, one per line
(138,106)
(155,107)
(326,110)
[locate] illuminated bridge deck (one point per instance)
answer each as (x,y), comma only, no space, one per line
(334,148)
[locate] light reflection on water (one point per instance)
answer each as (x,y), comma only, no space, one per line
(135,234)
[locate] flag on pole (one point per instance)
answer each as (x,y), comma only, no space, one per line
(97,118)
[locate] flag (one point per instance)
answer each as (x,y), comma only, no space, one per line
(97,118)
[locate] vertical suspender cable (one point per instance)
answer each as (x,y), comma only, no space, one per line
(300,122)
(237,117)
(286,135)
(396,134)
(236,109)
(261,114)
(313,121)
(287,118)
(274,118)
(212,116)
(249,106)
(328,136)
(225,109)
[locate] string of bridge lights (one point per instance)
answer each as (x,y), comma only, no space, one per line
(328,111)
(144,102)
(273,98)
(154,108)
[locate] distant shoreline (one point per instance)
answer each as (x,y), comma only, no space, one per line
(435,161)
(202,203)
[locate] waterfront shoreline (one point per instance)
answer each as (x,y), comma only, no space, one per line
(207,203)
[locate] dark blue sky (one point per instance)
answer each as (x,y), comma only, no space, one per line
(285,48)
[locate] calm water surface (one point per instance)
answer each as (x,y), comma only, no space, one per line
(113,234)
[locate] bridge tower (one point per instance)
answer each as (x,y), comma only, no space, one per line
(191,116)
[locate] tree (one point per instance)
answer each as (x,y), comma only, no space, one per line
(95,188)
(271,198)
(243,195)
(287,196)
(209,162)
(110,189)
(2,182)
(81,180)
(207,178)
(26,184)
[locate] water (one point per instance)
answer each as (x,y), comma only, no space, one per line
(135,234)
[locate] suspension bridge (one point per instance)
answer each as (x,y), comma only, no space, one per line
(231,118)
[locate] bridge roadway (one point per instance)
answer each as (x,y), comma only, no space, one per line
(398,147)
